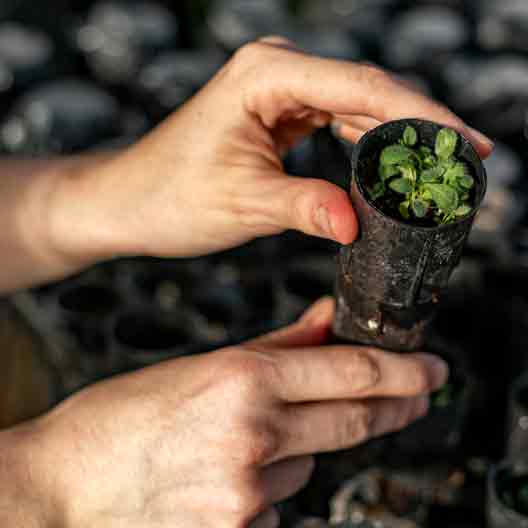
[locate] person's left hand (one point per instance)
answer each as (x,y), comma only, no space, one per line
(211,176)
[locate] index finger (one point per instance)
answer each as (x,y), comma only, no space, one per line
(352,372)
(347,88)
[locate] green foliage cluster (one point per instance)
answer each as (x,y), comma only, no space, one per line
(428,185)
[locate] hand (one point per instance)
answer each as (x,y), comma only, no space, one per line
(211,176)
(216,440)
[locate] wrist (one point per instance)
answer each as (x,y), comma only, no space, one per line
(79,229)
(26,500)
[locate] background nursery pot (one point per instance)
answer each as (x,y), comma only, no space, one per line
(390,279)
(507,484)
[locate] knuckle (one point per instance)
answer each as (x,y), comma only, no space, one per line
(244,501)
(242,371)
(250,56)
(361,371)
(261,442)
(374,75)
(306,199)
(355,425)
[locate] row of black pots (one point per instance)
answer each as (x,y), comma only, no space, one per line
(135,313)
(164,75)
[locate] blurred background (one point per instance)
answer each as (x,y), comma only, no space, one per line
(93,75)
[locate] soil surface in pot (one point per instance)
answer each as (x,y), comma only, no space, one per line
(374,174)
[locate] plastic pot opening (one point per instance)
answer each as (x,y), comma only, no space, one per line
(92,300)
(144,332)
(366,160)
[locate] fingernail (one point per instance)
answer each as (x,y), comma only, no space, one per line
(480,137)
(322,219)
(438,371)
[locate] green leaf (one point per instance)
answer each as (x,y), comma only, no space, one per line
(455,173)
(408,171)
(432,175)
(419,208)
(446,142)
(426,195)
(404,210)
(410,137)
(395,154)
(387,171)
(463,210)
(425,151)
(444,396)
(466,181)
(401,185)
(445,197)
(377,191)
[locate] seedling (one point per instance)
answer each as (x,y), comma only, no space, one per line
(418,184)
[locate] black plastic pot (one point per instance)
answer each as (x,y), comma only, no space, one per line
(83,311)
(517,441)
(310,522)
(364,20)
(489,92)
(233,23)
(221,314)
(423,38)
(502,25)
(119,37)
(305,280)
(172,78)
(439,434)
(27,53)
(331,42)
(163,285)
(504,480)
(142,337)
(391,278)
(60,117)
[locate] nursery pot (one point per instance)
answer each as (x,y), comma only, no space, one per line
(306,279)
(390,279)
(505,489)
(83,308)
(142,337)
(517,440)
(438,435)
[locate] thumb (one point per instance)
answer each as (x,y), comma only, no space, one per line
(315,207)
(310,330)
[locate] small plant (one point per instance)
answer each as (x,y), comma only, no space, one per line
(421,184)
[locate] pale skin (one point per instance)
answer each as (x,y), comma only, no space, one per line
(213,440)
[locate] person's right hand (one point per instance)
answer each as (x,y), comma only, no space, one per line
(216,440)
